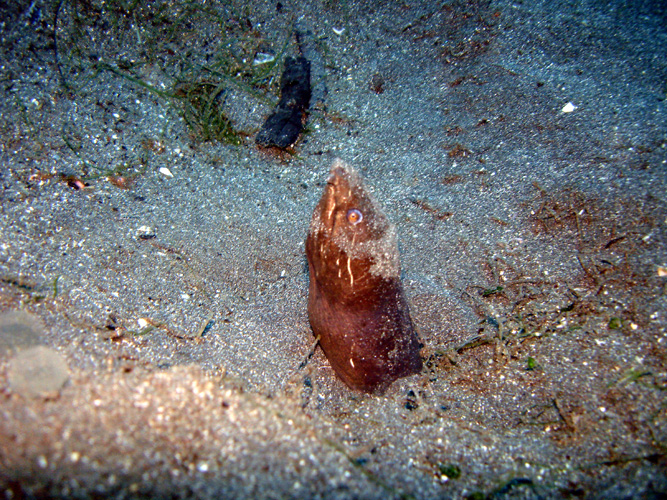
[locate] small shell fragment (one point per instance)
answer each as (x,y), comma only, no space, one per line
(263,58)
(166,172)
(662,271)
(568,108)
(144,231)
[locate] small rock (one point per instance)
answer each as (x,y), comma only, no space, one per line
(377,83)
(18,330)
(37,371)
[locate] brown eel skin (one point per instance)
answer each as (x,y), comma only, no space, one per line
(356,303)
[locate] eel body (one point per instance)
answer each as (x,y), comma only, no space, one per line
(356,303)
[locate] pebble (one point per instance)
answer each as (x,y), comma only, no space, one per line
(37,371)
(18,330)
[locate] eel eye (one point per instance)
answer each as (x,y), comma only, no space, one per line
(354,216)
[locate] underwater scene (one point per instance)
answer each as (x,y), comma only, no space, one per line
(333,250)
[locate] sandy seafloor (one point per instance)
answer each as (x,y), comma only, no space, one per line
(178,302)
